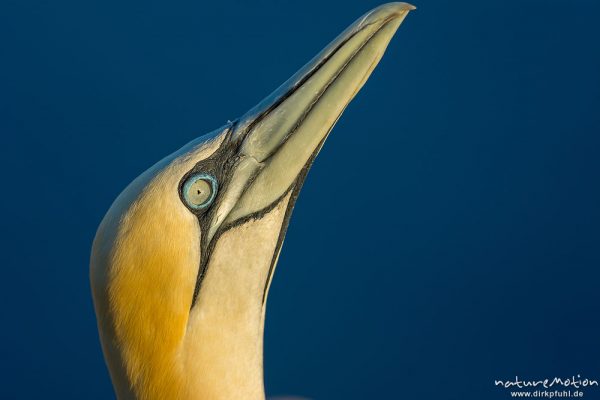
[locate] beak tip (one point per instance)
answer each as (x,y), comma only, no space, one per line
(400,7)
(385,12)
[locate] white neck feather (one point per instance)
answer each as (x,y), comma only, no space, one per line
(223,348)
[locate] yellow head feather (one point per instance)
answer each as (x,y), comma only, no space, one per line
(143,271)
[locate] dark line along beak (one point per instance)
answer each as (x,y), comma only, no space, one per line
(281,133)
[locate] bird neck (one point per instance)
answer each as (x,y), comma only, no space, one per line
(223,357)
(223,344)
(155,347)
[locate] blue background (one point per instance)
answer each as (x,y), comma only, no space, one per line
(448,234)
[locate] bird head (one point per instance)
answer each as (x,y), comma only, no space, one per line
(182,262)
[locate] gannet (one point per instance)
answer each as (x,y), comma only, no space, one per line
(182,262)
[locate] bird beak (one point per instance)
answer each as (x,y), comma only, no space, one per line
(279,138)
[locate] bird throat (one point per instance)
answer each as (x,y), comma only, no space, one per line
(222,353)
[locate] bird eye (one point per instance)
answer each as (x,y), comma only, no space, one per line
(199,191)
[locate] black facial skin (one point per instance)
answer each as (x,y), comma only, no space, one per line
(220,165)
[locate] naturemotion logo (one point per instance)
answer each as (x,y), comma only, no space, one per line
(557,387)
